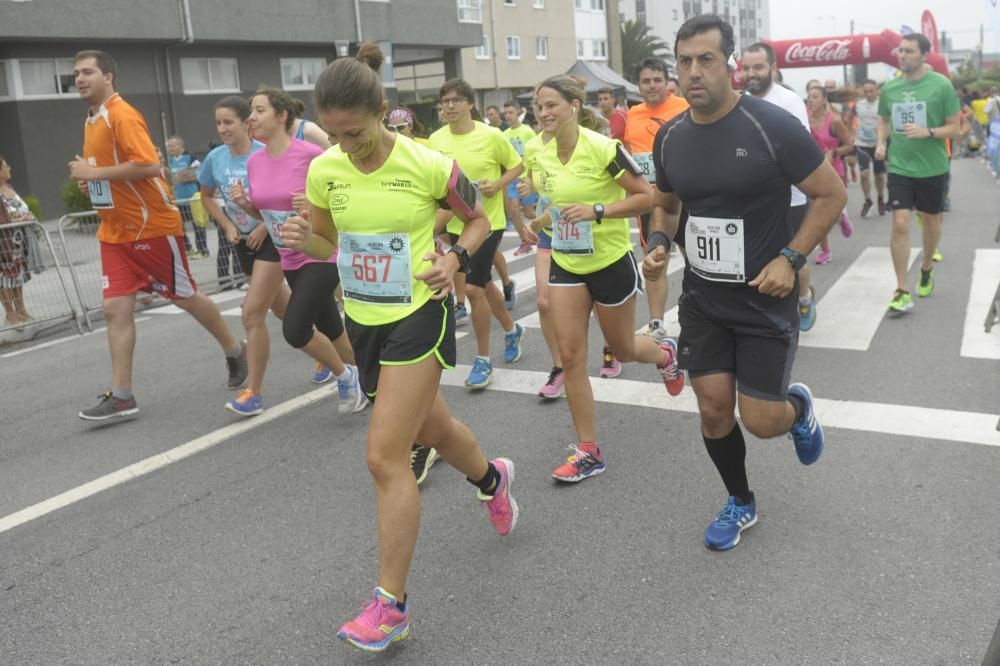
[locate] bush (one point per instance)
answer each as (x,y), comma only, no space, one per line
(74,201)
(36,208)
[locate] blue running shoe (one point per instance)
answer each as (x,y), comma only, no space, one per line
(512,345)
(807,311)
(807,433)
(321,374)
(510,294)
(352,398)
(461,313)
(481,374)
(247,403)
(723,532)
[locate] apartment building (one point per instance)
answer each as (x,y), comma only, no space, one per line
(176,58)
(750,18)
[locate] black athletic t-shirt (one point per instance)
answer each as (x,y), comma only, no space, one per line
(737,168)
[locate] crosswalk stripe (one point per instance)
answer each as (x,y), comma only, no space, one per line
(849,314)
(902,420)
(976,342)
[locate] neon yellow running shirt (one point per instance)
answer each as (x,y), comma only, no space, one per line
(585,247)
(385,225)
(480,155)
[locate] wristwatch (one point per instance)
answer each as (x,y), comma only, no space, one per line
(598,212)
(930,132)
(463,257)
(794,258)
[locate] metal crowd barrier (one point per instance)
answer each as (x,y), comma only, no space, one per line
(217,270)
(33,289)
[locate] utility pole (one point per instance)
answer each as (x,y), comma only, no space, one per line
(846,82)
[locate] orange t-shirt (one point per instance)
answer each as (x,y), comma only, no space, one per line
(643,122)
(130,210)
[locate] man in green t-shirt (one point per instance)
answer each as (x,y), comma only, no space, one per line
(918,110)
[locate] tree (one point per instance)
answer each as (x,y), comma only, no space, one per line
(638,43)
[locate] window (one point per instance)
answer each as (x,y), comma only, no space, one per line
(600,49)
(209,75)
(513,47)
(301,73)
(510,3)
(582,4)
(597,5)
(483,50)
(581,48)
(538,4)
(51,77)
(470,11)
(542,48)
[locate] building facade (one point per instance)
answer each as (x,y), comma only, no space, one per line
(526,41)
(750,18)
(176,58)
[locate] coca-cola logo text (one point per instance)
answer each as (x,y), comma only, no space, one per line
(832,50)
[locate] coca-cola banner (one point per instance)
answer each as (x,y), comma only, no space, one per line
(846,50)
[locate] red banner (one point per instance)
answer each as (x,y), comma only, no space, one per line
(845,50)
(928,26)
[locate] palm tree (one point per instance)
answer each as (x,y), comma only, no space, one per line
(637,45)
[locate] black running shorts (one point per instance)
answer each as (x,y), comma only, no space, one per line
(925,194)
(611,286)
(740,331)
(266,252)
(429,330)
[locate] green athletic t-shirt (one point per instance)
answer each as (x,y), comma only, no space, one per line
(480,154)
(926,102)
(583,180)
(519,137)
(378,215)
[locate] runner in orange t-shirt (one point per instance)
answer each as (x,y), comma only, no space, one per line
(140,226)
(644,120)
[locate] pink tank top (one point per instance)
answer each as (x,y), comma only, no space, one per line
(827,141)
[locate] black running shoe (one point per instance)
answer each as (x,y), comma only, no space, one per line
(866,209)
(882,208)
(238,369)
(110,407)
(422,459)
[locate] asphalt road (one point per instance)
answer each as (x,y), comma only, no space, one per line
(257,547)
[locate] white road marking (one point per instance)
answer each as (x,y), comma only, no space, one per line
(52,343)
(221,297)
(901,420)
(849,314)
(161,460)
(976,342)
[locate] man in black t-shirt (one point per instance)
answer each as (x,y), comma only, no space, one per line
(730,160)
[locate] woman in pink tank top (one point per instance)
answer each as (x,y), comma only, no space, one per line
(833,138)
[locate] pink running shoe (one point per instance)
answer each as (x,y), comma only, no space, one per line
(824,257)
(672,375)
(553,386)
(524,248)
(846,227)
(379,624)
(501,506)
(611,367)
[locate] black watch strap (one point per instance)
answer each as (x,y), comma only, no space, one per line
(463,257)
(794,258)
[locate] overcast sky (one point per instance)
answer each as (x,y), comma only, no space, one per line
(791,19)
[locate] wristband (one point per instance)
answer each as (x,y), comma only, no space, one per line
(657,239)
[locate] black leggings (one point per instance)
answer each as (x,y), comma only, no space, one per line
(312,302)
